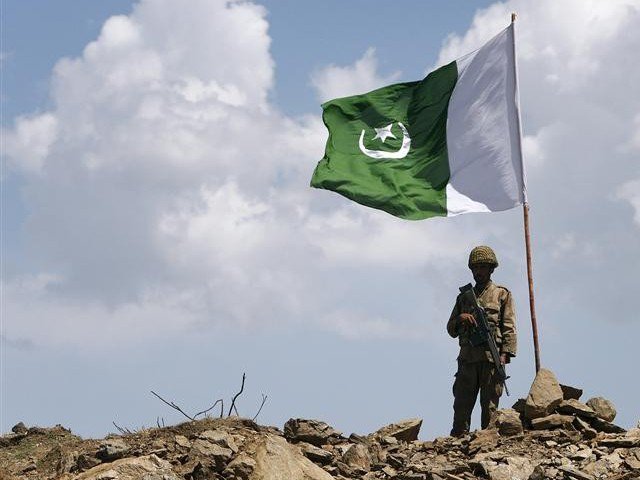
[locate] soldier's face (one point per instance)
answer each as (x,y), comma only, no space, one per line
(482,273)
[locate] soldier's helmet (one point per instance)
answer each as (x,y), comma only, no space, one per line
(482,255)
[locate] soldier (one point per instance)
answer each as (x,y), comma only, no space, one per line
(476,371)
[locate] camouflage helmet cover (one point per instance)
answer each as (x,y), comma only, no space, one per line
(482,255)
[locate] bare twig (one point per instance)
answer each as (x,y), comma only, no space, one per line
(122,430)
(221,408)
(158,421)
(233,402)
(173,405)
(264,399)
(208,409)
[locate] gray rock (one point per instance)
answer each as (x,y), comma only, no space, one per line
(112,449)
(583,454)
(147,467)
(603,466)
(508,423)
(315,454)
(19,428)
(555,420)
(483,441)
(202,471)
(587,432)
(85,462)
(515,468)
(574,407)
(570,393)
(203,448)
(603,426)
(620,442)
(519,406)
(573,473)
(406,430)
(357,457)
(544,396)
(221,438)
(632,460)
(412,476)
(277,460)
(182,441)
(539,474)
(603,408)
(314,432)
(241,467)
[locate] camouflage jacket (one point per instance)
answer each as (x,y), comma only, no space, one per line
(497,302)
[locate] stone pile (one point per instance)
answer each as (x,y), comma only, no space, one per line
(548,435)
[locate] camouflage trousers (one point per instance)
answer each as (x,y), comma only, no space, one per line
(471,378)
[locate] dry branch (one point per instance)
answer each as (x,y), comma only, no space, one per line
(264,399)
(122,430)
(233,402)
(173,405)
(208,409)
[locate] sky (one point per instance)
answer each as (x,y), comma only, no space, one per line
(159,232)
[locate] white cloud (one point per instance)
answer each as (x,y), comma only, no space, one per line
(630,192)
(336,81)
(29,142)
(165,192)
(362,326)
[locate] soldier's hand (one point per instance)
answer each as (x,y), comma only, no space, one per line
(503,358)
(467,319)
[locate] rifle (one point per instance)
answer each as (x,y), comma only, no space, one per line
(482,333)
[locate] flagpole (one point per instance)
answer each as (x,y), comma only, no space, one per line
(525,211)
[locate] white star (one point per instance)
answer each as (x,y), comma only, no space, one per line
(384,132)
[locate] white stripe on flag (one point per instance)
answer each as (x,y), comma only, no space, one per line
(483,141)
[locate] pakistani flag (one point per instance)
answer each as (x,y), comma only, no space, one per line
(443,146)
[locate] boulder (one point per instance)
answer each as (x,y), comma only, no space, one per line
(603,408)
(20,428)
(203,448)
(632,460)
(357,457)
(406,430)
(514,468)
(221,438)
(112,449)
(604,466)
(85,462)
(544,396)
(483,441)
(182,441)
(554,420)
(241,467)
(508,422)
(134,468)
(570,472)
(570,393)
(276,460)
(603,426)
(314,432)
(574,407)
(520,405)
(315,454)
(583,427)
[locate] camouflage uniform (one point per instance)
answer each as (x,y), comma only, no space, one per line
(476,371)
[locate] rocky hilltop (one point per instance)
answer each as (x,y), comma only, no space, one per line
(549,435)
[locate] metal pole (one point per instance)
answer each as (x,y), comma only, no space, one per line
(525,209)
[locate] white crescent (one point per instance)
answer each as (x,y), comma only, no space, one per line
(382,154)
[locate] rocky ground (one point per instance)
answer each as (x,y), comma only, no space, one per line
(548,435)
